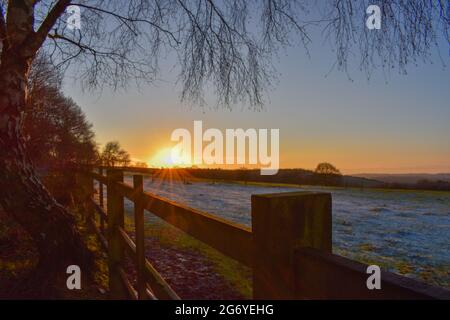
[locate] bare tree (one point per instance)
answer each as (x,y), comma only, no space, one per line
(57,133)
(113,155)
(327,168)
(226,45)
(140,164)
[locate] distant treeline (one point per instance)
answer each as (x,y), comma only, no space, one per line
(289,176)
(425,184)
(307,177)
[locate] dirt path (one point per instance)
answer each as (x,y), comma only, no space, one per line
(190,274)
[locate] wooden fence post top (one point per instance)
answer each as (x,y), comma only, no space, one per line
(288,195)
(280,223)
(138,181)
(114,174)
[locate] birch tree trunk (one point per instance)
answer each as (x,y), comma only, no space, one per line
(22,195)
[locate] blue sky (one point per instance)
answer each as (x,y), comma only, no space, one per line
(394,124)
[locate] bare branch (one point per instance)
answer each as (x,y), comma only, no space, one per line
(54,14)
(409,33)
(229,45)
(127,20)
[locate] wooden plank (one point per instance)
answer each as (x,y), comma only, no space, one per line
(100,191)
(101,205)
(130,290)
(99,177)
(89,195)
(136,170)
(149,293)
(138,185)
(231,239)
(127,191)
(128,244)
(115,244)
(99,209)
(159,286)
(100,235)
(327,276)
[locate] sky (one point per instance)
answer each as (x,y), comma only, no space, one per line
(394,124)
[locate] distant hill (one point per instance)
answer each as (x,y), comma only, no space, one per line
(410,178)
(439,182)
(293,176)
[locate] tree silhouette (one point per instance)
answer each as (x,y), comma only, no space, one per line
(140,164)
(327,168)
(226,44)
(113,155)
(57,133)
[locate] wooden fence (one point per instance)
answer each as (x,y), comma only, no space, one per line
(288,247)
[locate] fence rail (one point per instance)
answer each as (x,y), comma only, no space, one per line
(288,247)
(329,276)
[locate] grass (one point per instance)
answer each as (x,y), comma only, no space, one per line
(432,275)
(18,257)
(18,253)
(100,275)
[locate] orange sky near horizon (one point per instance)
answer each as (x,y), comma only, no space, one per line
(386,151)
(353,157)
(354,147)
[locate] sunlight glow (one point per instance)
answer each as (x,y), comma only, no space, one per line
(169,158)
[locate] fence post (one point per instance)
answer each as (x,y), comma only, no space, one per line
(90,214)
(138,184)
(85,193)
(280,223)
(115,247)
(101,200)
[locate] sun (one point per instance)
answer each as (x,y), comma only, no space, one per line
(169,158)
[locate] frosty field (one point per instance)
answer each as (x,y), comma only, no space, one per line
(407,232)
